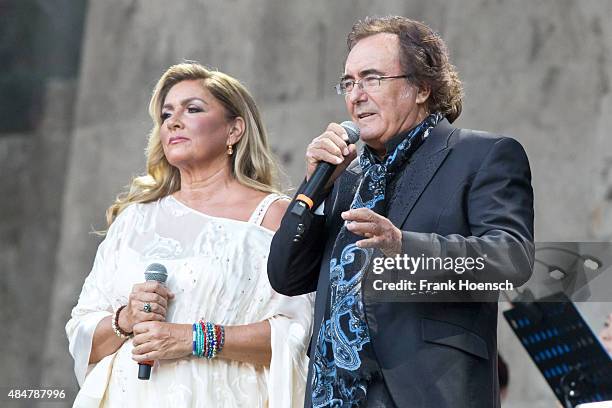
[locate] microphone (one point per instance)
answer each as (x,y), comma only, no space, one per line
(154,272)
(324,170)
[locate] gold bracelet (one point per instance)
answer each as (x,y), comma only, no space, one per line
(115,325)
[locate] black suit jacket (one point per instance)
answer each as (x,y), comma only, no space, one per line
(462,193)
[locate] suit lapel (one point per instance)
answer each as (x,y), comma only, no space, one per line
(418,173)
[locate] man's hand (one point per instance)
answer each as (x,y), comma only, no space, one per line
(378,230)
(161,341)
(331,147)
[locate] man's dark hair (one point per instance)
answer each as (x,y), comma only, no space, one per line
(423,56)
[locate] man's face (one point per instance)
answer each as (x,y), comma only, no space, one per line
(396,105)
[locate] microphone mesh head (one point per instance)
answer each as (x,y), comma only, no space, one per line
(352,131)
(156,272)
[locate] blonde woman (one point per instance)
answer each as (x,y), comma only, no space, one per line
(206,210)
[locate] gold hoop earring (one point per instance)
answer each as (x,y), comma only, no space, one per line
(230,150)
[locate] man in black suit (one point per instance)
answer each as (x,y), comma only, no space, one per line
(420,188)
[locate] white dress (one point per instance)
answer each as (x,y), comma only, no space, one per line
(217,271)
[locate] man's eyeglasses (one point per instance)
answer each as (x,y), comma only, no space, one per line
(368,83)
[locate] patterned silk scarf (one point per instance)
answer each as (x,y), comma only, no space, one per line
(343,360)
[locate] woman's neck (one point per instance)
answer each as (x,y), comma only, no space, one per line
(204,185)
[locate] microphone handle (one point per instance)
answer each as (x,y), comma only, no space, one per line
(144,368)
(319,178)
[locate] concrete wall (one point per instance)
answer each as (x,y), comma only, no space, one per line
(33,168)
(539,71)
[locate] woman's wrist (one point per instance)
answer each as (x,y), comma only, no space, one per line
(123,323)
(185,336)
(117,329)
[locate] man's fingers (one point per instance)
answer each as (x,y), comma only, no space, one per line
(330,147)
(362,215)
(340,141)
(363,228)
(331,144)
(352,151)
(374,242)
(340,133)
(319,155)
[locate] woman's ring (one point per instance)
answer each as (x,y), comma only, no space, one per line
(147,308)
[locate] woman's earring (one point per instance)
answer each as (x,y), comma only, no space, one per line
(230,150)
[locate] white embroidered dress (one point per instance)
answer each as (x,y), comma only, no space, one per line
(217,271)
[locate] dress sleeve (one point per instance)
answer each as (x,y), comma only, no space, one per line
(94,302)
(291,328)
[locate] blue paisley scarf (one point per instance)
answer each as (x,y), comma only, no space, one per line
(343,357)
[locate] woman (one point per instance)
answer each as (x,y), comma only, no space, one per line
(206,210)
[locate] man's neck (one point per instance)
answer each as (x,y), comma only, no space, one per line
(394,141)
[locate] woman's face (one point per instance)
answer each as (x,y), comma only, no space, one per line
(195,130)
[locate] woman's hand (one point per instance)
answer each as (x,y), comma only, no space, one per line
(161,341)
(152,293)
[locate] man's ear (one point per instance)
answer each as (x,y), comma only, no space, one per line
(423,93)
(236,131)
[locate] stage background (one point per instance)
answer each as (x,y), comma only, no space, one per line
(78,75)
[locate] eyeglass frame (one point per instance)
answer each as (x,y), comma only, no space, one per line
(359,83)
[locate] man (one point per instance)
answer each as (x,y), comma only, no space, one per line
(420,188)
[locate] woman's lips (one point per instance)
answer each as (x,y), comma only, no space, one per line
(177,139)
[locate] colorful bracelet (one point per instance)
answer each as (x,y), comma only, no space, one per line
(195,340)
(208,339)
(198,340)
(204,339)
(115,325)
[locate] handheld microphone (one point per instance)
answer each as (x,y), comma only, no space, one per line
(304,202)
(154,272)
(324,170)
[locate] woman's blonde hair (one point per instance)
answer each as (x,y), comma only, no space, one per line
(252,163)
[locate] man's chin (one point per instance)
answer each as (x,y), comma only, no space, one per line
(369,135)
(373,141)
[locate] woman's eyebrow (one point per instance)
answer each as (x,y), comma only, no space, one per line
(185,102)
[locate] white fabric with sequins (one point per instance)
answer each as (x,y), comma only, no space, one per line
(217,270)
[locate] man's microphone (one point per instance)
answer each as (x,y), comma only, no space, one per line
(324,171)
(154,272)
(305,201)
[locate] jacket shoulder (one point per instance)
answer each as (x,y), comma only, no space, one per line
(478,141)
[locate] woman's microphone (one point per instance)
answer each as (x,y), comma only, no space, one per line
(154,272)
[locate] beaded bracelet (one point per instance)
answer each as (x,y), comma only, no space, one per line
(115,325)
(198,340)
(208,339)
(195,339)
